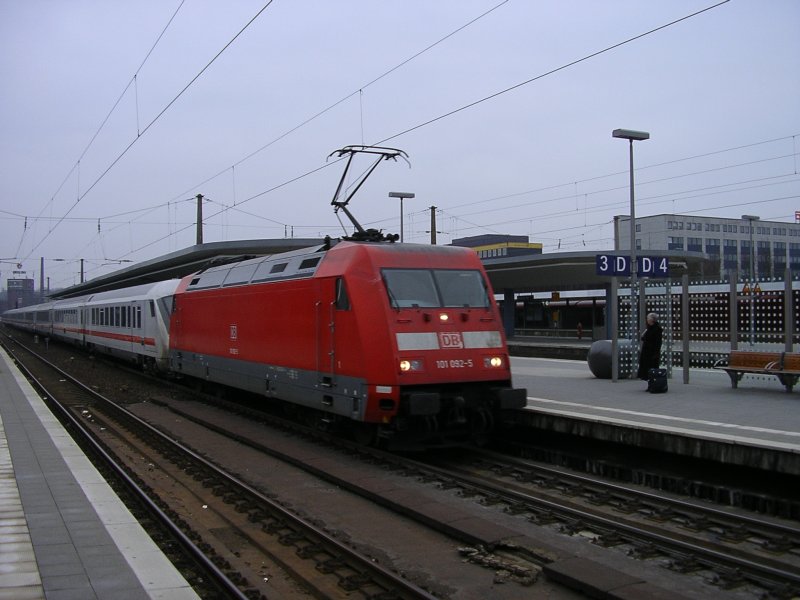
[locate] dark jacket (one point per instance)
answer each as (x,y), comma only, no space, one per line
(650,356)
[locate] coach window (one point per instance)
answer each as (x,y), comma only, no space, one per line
(342,299)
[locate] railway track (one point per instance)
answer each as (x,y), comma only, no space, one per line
(728,552)
(734,548)
(729,549)
(314,563)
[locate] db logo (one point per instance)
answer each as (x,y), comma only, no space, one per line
(450,340)
(234,332)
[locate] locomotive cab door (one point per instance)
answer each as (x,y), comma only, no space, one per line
(325,331)
(333,302)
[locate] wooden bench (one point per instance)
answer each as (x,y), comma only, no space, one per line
(784,365)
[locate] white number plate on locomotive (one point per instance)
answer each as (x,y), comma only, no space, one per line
(455,363)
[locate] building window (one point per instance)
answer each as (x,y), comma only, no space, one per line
(675,243)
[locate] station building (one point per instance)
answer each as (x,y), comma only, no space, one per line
(730,244)
(498,245)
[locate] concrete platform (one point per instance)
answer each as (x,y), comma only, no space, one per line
(756,425)
(64,534)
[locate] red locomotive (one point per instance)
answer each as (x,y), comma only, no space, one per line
(398,343)
(404,340)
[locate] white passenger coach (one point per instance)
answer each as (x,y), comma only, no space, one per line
(131,323)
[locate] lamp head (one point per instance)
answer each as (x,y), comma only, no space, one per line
(630,134)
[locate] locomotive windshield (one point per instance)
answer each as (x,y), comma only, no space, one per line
(437,288)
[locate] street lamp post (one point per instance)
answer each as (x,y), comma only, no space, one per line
(752,276)
(631,136)
(402,196)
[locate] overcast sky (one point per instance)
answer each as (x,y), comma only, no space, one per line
(719,93)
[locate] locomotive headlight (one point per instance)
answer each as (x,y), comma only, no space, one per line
(443,317)
(410,365)
(492,362)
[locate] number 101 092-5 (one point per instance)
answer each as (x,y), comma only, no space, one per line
(455,363)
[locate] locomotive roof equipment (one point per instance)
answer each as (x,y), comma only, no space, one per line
(361,234)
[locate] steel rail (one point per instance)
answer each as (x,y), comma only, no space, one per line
(141,496)
(764,574)
(403,586)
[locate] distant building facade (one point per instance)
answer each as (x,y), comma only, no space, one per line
(20,293)
(731,244)
(497,246)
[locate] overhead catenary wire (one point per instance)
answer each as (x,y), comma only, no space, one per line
(548,73)
(358,91)
(113,219)
(514,87)
(281,185)
(150,124)
(76,166)
(426,123)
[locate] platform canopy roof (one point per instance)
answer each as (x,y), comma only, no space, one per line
(562,271)
(186,261)
(530,273)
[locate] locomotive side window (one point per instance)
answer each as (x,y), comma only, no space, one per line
(342,299)
(462,288)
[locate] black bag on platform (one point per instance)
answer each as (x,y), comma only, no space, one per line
(657,381)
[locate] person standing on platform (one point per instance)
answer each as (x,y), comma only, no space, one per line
(650,356)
